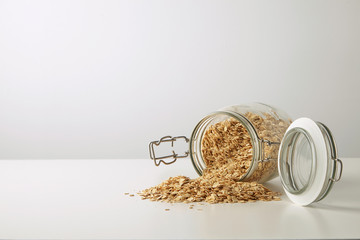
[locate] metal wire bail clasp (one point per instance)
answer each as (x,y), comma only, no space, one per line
(175,156)
(267,143)
(337,169)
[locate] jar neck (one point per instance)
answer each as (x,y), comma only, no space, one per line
(202,126)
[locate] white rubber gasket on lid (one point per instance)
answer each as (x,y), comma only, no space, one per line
(314,189)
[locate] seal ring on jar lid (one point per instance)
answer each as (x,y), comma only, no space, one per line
(308,163)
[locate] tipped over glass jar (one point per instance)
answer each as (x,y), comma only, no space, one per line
(257,142)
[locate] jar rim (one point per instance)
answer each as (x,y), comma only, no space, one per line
(203,123)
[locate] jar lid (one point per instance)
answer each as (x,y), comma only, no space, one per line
(308,163)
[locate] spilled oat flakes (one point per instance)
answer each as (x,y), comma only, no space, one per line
(227,152)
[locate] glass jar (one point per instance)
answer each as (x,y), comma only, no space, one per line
(243,138)
(257,142)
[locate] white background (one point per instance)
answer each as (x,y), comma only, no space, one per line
(100,79)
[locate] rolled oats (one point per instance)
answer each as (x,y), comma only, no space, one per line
(203,189)
(227,152)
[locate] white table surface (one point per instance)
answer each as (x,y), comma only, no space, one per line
(79,199)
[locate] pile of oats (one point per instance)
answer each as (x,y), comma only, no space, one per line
(208,189)
(227,152)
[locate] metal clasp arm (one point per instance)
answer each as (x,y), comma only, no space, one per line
(337,161)
(175,156)
(268,143)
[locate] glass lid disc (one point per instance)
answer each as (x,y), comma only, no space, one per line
(306,167)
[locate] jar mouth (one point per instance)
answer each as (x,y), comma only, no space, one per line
(298,161)
(200,129)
